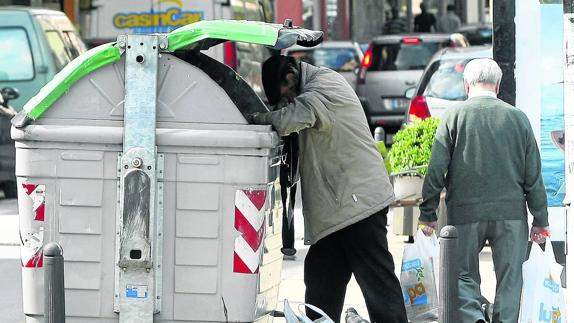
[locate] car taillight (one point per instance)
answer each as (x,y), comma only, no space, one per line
(365,64)
(411,41)
(418,110)
(230,55)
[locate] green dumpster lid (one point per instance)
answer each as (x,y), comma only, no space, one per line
(197,36)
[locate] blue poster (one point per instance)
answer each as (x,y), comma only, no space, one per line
(552,102)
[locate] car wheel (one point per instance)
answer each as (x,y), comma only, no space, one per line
(10,190)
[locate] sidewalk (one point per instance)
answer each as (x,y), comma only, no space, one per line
(293,288)
(9,238)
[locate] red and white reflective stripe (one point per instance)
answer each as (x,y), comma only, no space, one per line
(249,221)
(38,195)
(33,238)
(34,261)
(31,249)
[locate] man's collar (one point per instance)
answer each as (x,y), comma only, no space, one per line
(474,94)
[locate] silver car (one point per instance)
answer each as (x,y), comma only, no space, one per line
(391,65)
(343,57)
(442,85)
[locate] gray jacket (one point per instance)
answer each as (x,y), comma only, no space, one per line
(449,23)
(343,179)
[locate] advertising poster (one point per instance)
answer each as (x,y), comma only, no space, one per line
(539,93)
(160,16)
(552,100)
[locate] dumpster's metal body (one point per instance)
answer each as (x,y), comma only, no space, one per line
(216,197)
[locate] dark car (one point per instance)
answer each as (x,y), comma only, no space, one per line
(343,57)
(477,34)
(391,65)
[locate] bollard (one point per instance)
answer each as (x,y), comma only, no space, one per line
(448,276)
(54,297)
(380,134)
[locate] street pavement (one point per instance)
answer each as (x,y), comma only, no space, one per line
(293,288)
(10,276)
(292,285)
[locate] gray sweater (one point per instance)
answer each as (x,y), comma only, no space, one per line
(486,156)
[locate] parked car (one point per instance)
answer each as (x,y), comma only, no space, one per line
(35,45)
(391,65)
(477,34)
(344,57)
(442,84)
(7,149)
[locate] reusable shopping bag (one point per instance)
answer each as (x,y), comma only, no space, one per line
(291,317)
(543,298)
(419,277)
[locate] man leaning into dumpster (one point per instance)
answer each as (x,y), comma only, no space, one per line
(344,186)
(486,156)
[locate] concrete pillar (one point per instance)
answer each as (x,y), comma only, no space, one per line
(343,19)
(324,22)
(317,15)
(292,9)
(367,19)
(481,11)
(71,9)
(470,10)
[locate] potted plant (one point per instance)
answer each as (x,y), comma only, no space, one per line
(409,157)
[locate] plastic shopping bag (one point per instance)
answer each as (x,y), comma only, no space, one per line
(543,298)
(419,277)
(291,317)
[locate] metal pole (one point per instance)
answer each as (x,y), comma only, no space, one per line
(410,16)
(448,276)
(504,47)
(54,296)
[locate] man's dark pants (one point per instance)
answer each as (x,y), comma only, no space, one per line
(360,249)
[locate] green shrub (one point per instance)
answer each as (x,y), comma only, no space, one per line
(412,146)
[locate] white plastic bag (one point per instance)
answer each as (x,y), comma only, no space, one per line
(543,298)
(291,317)
(419,277)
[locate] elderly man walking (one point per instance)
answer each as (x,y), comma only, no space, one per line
(486,156)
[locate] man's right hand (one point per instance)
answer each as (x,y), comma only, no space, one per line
(428,228)
(539,234)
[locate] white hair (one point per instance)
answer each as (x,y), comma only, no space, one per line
(482,71)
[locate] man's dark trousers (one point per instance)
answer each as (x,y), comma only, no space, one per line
(360,249)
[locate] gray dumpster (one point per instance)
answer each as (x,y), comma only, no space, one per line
(138,160)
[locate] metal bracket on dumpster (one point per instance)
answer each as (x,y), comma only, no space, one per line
(139,218)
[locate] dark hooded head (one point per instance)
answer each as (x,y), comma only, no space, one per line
(280,77)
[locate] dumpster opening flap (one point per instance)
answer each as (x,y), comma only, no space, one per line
(198,36)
